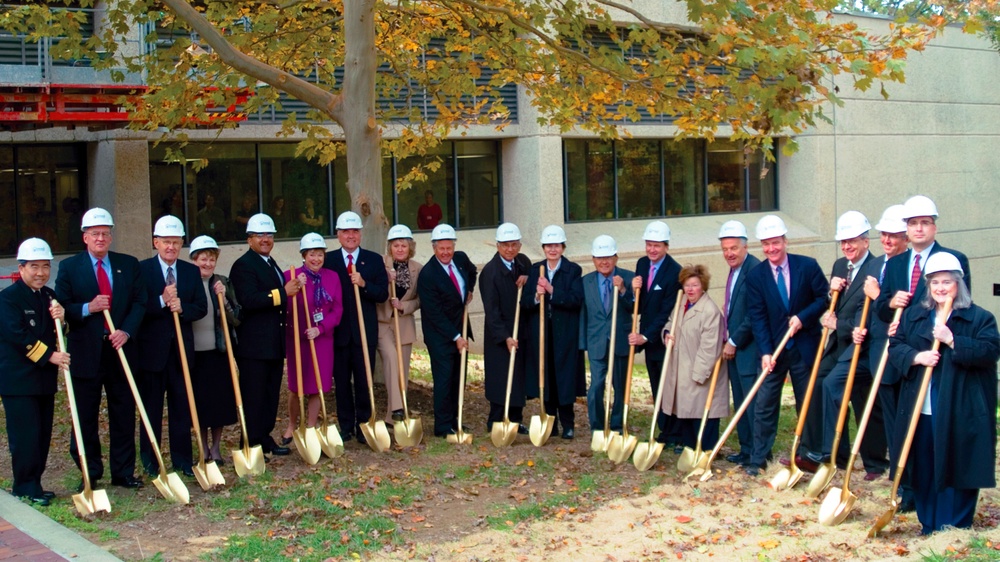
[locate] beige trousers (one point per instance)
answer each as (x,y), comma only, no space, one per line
(390,367)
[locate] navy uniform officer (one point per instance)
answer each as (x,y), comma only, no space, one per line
(29,367)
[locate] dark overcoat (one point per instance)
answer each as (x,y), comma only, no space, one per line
(27,341)
(498,289)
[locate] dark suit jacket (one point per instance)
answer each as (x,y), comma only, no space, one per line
(76,285)
(848,311)
(261,293)
(656,305)
(738,321)
(897,278)
(807,300)
(27,341)
(595,323)
(158,336)
(498,289)
(376,290)
(441,307)
(878,335)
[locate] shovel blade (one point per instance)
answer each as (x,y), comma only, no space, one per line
(460,438)
(88,506)
(307,444)
(824,475)
(201,477)
(540,429)
(785,478)
(99,499)
(409,432)
(882,521)
(376,435)
(249,462)
(836,507)
(621,447)
(215,477)
(646,455)
(503,433)
(599,441)
(331,442)
(172,488)
(687,461)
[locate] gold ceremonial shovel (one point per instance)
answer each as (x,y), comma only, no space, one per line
(329,438)
(622,444)
(503,432)
(247,460)
(646,454)
(375,432)
(689,459)
(409,431)
(306,438)
(460,437)
(540,427)
(601,438)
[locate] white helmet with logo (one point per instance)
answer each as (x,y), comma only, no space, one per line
(202,242)
(942,261)
(733,229)
(34,249)
(770,226)
(399,231)
(443,232)
(168,225)
(553,234)
(349,220)
(261,223)
(96,217)
(508,232)
(919,206)
(851,225)
(604,247)
(312,241)
(892,220)
(657,231)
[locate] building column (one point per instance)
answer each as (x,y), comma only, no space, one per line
(118,180)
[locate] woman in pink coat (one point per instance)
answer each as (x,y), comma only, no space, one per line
(321,288)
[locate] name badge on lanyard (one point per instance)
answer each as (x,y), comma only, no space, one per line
(317,317)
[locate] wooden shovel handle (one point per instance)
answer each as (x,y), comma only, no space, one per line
(513,354)
(234,373)
(666,363)
(815,370)
(610,376)
(312,353)
(711,395)
(195,424)
(541,339)
(399,349)
(296,339)
(849,385)
(71,398)
(364,350)
(631,350)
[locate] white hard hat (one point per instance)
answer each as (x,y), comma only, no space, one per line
(892,220)
(168,225)
(770,226)
(34,249)
(942,261)
(508,232)
(349,220)
(604,247)
(96,217)
(443,232)
(312,241)
(851,225)
(261,223)
(399,231)
(919,206)
(553,234)
(202,242)
(657,231)
(733,229)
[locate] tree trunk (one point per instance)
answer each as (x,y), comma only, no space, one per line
(361,131)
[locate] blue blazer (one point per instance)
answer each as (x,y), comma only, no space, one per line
(807,300)
(158,336)
(441,306)
(76,285)
(738,321)
(656,305)
(595,323)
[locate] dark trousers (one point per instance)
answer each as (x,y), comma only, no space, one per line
(595,394)
(515,415)
(741,385)
(688,429)
(873,446)
(812,431)
(445,369)
(260,385)
(768,402)
(152,386)
(563,412)
(669,433)
(936,509)
(351,387)
(29,432)
(121,417)
(888,396)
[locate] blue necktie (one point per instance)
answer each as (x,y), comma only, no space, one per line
(606,295)
(782,290)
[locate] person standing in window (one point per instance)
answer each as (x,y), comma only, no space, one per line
(309,219)
(282,221)
(210,218)
(429,214)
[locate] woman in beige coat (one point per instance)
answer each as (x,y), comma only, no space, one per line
(697,344)
(403,272)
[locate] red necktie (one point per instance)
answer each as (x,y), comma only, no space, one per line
(350,264)
(915,274)
(454,280)
(103,285)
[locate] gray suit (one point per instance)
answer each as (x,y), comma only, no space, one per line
(742,368)
(595,335)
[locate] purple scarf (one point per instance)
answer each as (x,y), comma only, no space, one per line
(320,296)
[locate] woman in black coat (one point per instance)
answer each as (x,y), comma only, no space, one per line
(953,453)
(562,284)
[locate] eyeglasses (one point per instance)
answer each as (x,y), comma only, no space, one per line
(98,235)
(263,235)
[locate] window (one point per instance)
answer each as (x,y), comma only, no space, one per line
(652,178)
(295,190)
(46,186)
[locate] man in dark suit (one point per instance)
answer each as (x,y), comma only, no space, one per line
(445,286)
(657,276)
(498,286)
(263,293)
(365,270)
(172,286)
(600,288)
(740,349)
(786,294)
(30,365)
(848,277)
(89,283)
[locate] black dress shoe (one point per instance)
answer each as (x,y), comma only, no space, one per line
(189,472)
(397,415)
(126,482)
(568,433)
(37,500)
(48,495)
(280,450)
(752,470)
(738,458)
(361,438)
(285,441)
(522,429)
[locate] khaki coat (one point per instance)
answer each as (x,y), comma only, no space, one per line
(697,345)
(410,301)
